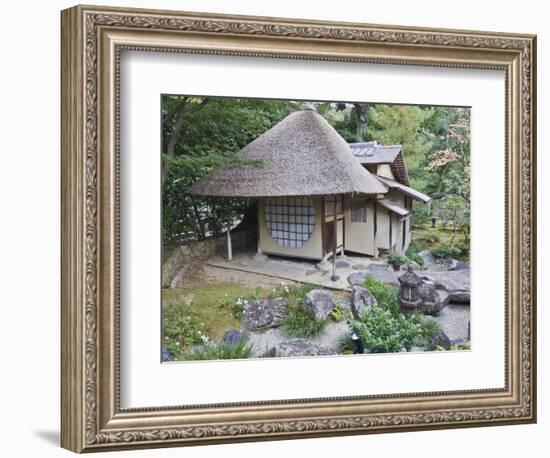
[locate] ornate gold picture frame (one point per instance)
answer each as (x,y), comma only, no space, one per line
(92,41)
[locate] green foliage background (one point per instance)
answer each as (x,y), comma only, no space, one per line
(202,133)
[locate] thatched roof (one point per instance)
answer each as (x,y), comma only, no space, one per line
(300,156)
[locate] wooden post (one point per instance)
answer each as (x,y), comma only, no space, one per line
(334,241)
(258,225)
(229,247)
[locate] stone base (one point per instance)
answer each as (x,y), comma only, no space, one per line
(260,257)
(324,266)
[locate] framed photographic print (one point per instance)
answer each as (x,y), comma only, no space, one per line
(277,228)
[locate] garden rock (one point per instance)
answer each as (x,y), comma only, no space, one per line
(359,266)
(446,263)
(361,300)
(433,299)
(344,305)
(413,265)
(459,265)
(166,355)
(299,347)
(428,258)
(320,302)
(454,282)
(357,278)
(235,336)
(264,313)
(374,270)
(460,296)
(440,340)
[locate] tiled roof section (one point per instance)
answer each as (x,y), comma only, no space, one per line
(417,195)
(374,153)
(391,206)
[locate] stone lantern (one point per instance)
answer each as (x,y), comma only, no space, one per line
(409,296)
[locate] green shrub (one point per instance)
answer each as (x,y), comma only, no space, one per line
(346,345)
(413,253)
(385,328)
(382,332)
(181,328)
(337,314)
(236,305)
(464,248)
(442,250)
(427,331)
(430,238)
(394,256)
(294,294)
(302,323)
(461,346)
(386,295)
(421,215)
(209,351)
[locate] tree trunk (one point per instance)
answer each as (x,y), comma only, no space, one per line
(181,113)
(362,119)
(200,223)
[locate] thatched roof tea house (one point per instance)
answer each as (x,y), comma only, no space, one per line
(300,156)
(314,195)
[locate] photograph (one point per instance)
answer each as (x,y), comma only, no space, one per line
(270,226)
(305,228)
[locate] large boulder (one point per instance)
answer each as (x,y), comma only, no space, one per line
(374,270)
(412,265)
(361,300)
(299,347)
(445,263)
(166,354)
(454,282)
(440,340)
(433,299)
(264,313)
(235,336)
(320,302)
(460,296)
(428,258)
(357,278)
(459,265)
(344,305)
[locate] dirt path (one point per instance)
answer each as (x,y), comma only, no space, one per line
(220,275)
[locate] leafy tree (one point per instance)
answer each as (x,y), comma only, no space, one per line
(449,131)
(199,135)
(402,125)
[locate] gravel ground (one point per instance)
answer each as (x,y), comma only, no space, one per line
(263,341)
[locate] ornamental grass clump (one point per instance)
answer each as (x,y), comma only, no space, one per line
(240,350)
(302,323)
(386,295)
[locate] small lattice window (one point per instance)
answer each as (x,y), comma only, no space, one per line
(358,211)
(290,221)
(333,204)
